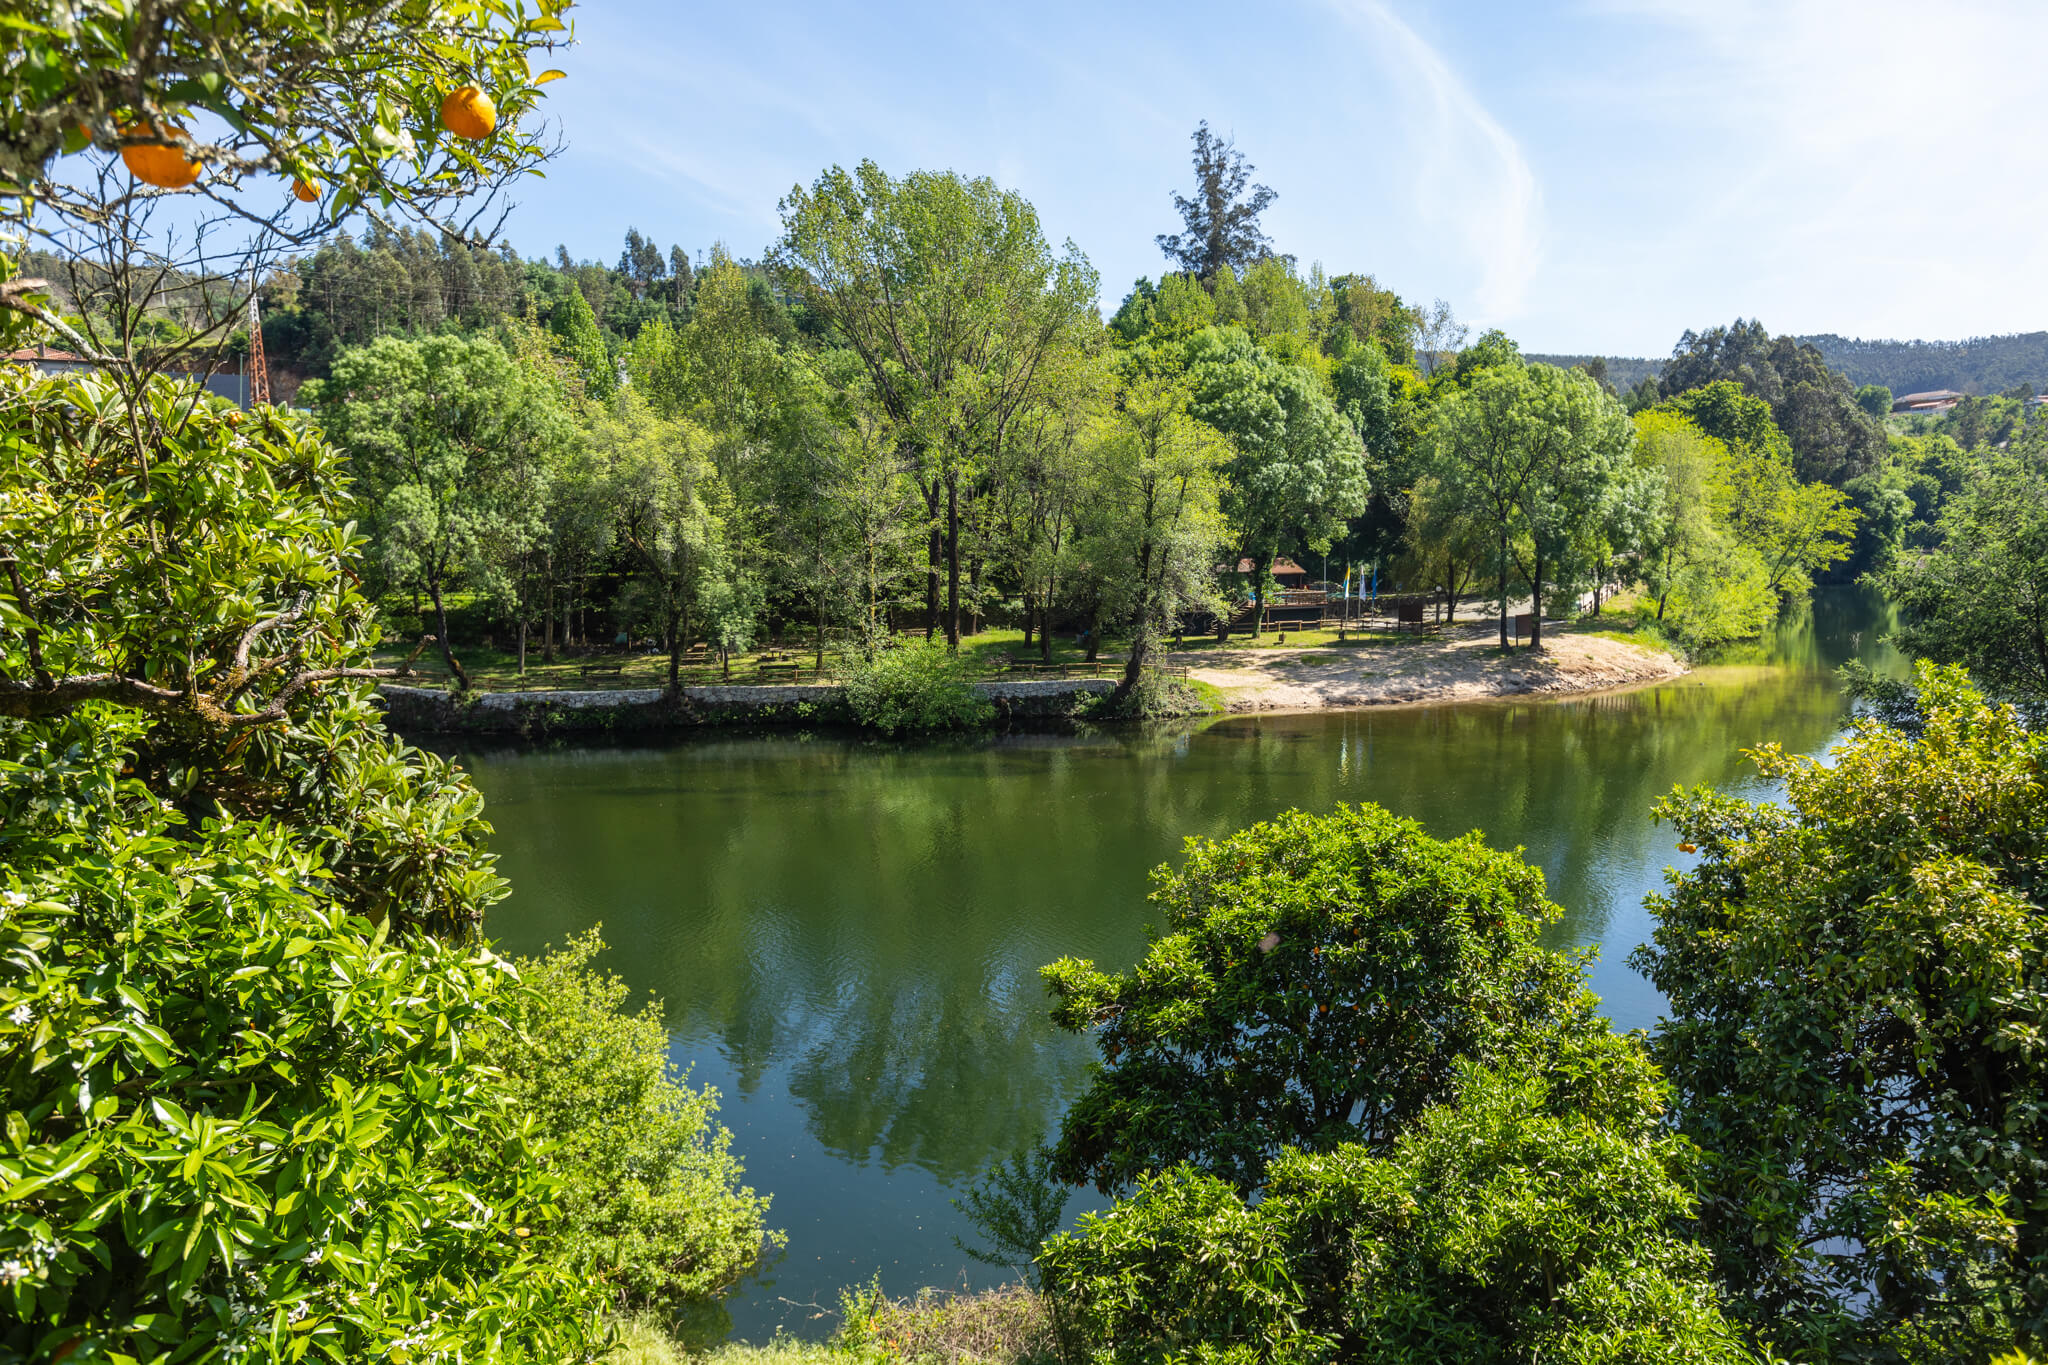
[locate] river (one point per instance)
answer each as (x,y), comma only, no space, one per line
(846,932)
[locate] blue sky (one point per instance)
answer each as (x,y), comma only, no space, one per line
(1596,175)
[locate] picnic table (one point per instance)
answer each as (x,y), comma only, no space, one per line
(614,669)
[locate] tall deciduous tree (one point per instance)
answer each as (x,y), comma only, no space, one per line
(1221,221)
(1580,444)
(668,501)
(447,437)
(950,295)
(1153,524)
(1298,474)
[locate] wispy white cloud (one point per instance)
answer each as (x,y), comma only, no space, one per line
(1470,175)
(1858,165)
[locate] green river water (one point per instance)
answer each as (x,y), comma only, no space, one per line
(847,932)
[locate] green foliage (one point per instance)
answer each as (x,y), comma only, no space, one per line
(1874,399)
(241,1119)
(913,688)
(1856,1009)
(1529,1219)
(1004,1326)
(455,445)
(1832,438)
(1220,223)
(575,329)
(1313,978)
(205,581)
(1980,597)
(651,1204)
(1299,469)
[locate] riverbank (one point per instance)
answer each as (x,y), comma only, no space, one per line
(1464,663)
(628,710)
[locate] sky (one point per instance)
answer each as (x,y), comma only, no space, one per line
(1592,176)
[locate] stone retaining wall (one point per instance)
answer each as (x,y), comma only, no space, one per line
(429,710)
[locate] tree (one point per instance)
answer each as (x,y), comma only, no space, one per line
(235,955)
(1583,441)
(1874,399)
(344,99)
(1797,529)
(1221,233)
(948,292)
(1312,980)
(1980,596)
(1531,1218)
(1854,990)
(1832,437)
(1299,471)
(1152,524)
(651,1200)
(1531,445)
(1438,334)
(576,334)
(441,432)
(669,504)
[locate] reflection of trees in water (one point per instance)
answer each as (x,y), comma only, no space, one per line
(869,919)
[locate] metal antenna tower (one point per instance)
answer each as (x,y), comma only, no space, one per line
(259,369)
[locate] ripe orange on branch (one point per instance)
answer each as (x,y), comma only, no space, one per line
(167,168)
(305,191)
(469,113)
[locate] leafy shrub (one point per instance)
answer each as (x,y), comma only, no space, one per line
(1314,978)
(241,1119)
(651,1204)
(1512,1225)
(238,978)
(1857,1009)
(915,687)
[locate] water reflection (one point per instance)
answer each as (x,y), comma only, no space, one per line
(847,933)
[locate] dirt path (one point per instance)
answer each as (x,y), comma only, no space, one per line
(1460,665)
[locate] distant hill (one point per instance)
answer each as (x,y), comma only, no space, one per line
(1982,365)
(1624,372)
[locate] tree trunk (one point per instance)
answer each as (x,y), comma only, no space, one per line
(547,621)
(934,554)
(1141,624)
(1094,632)
(1504,590)
(455,669)
(953,562)
(1536,605)
(672,627)
(1030,617)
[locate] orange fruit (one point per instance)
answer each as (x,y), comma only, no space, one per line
(305,191)
(1688,848)
(167,168)
(469,113)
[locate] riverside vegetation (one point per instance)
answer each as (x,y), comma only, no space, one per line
(271,1095)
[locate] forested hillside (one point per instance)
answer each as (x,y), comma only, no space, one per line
(1979,365)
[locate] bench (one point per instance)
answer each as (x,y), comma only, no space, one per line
(768,668)
(614,669)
